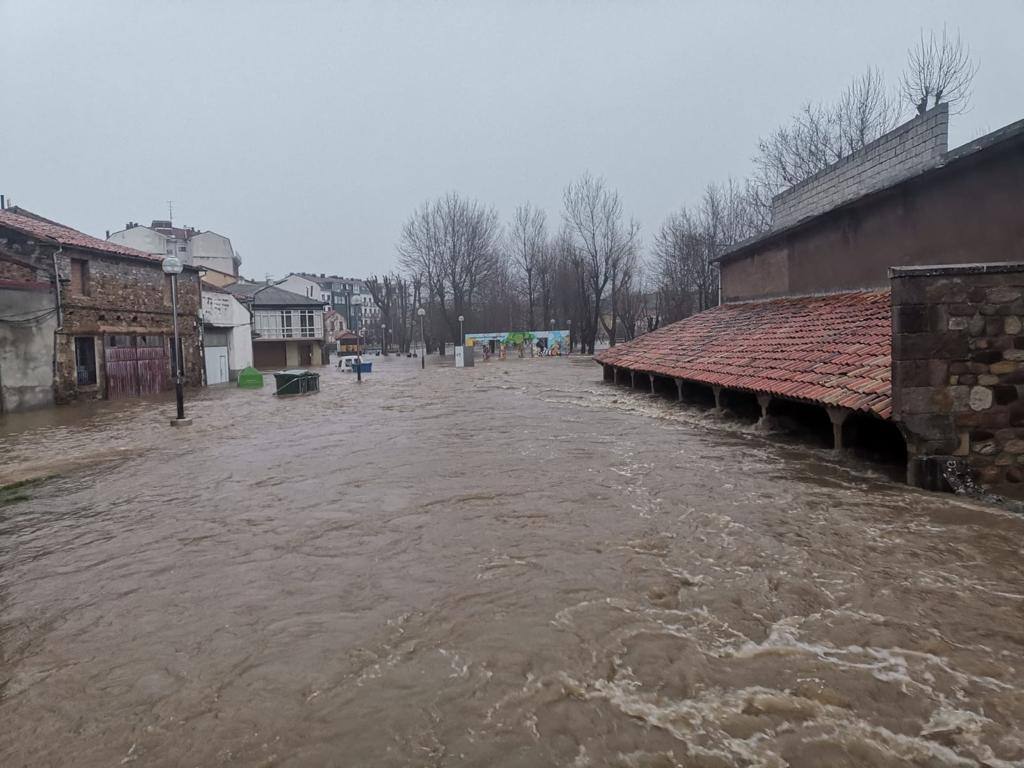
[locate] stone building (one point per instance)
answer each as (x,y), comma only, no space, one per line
(887,295)
(112,323)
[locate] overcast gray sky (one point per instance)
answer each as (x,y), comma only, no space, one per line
(308,131)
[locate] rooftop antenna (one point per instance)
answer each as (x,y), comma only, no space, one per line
(170,212)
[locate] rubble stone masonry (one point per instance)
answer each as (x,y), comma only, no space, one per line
(958,368)
(123,295)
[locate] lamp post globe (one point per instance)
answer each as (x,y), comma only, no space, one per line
(423,345)
(173,267)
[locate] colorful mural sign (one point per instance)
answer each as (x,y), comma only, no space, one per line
(513,338)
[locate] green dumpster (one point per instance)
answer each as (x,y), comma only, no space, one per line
(250,378)
(296,382)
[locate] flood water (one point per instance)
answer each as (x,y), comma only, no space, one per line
(510,565)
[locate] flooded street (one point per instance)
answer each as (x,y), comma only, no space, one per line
(509,565)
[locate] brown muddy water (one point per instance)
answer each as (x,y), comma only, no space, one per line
(510,565)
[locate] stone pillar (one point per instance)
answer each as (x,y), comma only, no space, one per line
(838,417)
(615,375)
(764,400)
(679,390)
(958,371)
(718,399)
(632,379)
(651,377)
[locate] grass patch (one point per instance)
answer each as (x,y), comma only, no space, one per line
(11,493)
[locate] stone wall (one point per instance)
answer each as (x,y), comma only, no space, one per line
(905,151)
(16,270)
(958,369)
(124,296)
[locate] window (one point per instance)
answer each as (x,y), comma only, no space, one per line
(286,323)
(268,324)
(85,360)
(307,325)
(80,277)
(182,248)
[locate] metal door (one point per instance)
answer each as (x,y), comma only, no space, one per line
(216,365)
(135,365)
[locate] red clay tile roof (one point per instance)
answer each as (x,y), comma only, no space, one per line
(834,350)
(72,238)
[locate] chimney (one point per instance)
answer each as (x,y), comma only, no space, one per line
(3,203)
(108,234)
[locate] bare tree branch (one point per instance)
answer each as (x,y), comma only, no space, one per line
(939,69)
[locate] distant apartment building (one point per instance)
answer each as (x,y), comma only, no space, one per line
(195,248)
(348,296)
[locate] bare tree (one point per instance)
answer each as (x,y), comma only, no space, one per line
(634,312)
(545,268)
(382,291)
(821,134)
(675,245)
(527,240)
(570,288)
(939,69)
(601,240)
(688,244)
(453,244)
(868,108)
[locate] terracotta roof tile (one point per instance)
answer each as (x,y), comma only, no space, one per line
(834,350)
(49,230)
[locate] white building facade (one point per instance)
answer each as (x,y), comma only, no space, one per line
(227,336)
(307,286)
(200,249)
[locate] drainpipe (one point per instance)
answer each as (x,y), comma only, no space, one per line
(60,320)
(56,285)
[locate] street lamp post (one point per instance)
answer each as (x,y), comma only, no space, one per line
(172,266)
(462,334)
(384,339)
(423,344)
(359,356)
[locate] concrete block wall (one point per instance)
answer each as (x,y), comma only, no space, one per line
(958,368)
(26,348)
(907,150)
